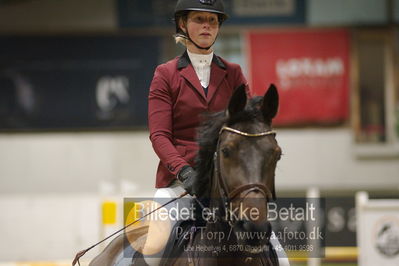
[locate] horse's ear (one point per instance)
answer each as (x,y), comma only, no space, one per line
(238,100)
(270,103)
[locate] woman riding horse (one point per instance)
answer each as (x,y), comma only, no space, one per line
(181,91)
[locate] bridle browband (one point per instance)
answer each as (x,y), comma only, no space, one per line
(245,134)
(227,195)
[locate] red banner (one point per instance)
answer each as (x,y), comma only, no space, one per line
(309,67)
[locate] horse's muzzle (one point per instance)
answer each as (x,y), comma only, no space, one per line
(250,233)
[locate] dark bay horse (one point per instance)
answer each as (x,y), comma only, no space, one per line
(236,164)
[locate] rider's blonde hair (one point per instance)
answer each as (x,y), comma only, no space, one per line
(179,38)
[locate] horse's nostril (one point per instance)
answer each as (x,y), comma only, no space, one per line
(240,224)
(248,226)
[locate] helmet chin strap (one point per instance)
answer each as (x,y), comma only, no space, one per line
(187,37)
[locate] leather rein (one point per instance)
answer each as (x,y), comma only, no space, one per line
(227,195)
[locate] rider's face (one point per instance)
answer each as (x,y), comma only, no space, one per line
(203,28)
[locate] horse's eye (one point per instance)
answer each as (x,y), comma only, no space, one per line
(226,152)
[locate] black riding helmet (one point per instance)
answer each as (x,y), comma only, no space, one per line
(184,6)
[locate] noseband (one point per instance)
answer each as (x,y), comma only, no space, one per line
(228,196)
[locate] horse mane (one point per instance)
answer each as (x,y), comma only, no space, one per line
(208,136)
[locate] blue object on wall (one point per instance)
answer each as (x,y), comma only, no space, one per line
(75,82)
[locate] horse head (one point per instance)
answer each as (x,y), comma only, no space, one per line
(245,156)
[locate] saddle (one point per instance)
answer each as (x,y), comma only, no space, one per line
(181,235)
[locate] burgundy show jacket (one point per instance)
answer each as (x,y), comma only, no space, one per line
(175,104)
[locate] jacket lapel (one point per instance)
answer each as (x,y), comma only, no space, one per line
(188,72)
(218,73)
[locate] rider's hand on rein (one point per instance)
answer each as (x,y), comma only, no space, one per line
(187,176)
